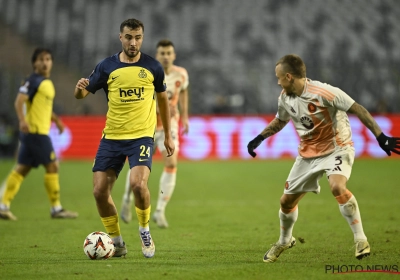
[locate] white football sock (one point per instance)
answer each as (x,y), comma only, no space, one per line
(56,209)
(351,213)
(167,186)
(128,194)
(118,240)
(143,229)
(287,223)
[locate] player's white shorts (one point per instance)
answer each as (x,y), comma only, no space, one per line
(159,136)
(306,173)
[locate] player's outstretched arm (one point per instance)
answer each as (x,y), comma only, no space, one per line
(274,127)
(80,88)
(163,106)
(388,144)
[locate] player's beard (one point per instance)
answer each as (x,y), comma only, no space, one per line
(290,90)
(131,55)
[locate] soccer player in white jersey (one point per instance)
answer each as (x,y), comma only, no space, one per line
(318,112)
(177,81)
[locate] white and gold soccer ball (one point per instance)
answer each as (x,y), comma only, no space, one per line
(98,246)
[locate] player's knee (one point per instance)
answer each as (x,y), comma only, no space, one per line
(52,167)
(138,186)
(287,203)
(338,188)
(100,195)
(23,170)
(170,166)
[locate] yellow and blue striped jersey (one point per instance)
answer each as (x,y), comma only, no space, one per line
(130,89)
(39,106)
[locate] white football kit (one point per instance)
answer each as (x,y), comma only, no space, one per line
(319,116)
(177,80)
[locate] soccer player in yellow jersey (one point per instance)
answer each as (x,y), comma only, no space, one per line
(132,81)
(36,148)
(318,112)
(177,80)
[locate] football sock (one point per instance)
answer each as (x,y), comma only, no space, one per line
(128,194)
(143,216)
(111,225)
(287,221)
(52,185)
(3,187)
(13,184)
(143,229)
(349,208)
(167,186)
(56,209)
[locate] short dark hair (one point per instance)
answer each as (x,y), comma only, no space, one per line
(165,43)
(293,64)
(38,51)
(132,24)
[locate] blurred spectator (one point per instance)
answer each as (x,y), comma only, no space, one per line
(346,43)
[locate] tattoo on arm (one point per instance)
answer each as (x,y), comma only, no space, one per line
(365,117)
(274,127)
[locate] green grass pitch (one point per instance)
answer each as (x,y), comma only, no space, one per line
(223,217)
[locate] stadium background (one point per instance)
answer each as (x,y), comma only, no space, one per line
(229,49)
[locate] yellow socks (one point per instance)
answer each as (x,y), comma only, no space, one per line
(13,183)
(52,185)
(143,216)
(112,225)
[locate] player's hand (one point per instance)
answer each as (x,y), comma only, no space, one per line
(389,144)
(185,125)
(169,145)
(253,144)
(82,83)
(60,127)
(23,126)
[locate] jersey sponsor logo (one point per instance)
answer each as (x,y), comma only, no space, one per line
(178,84)
(138,92)
(142,74)
(291,109)
(143,159)
(307,122)
(312,108)
(113,78)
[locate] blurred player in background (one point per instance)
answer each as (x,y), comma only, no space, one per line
(318,112)
(177,81)
(132,81)
(36,148)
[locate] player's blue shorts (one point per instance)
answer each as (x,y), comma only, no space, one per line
(113,153)
(35,149)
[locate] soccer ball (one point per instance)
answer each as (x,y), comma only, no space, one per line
(98,246)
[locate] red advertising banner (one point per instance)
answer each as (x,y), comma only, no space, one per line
(213,137)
